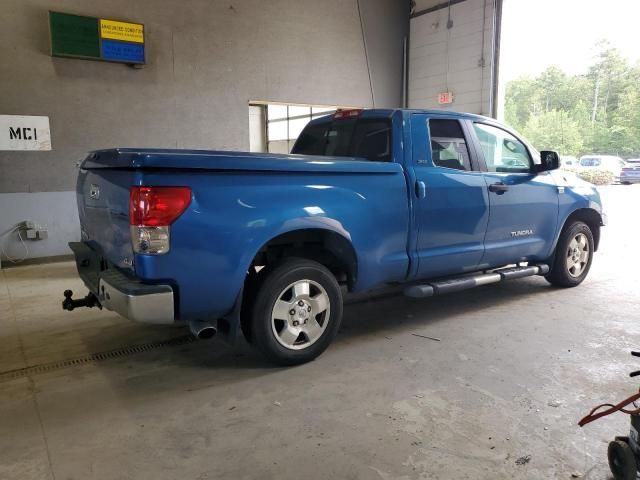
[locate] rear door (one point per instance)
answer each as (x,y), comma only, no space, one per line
(451,207)
(524,204)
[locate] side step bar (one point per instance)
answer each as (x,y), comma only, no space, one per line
(441,287)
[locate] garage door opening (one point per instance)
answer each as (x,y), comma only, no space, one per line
(570,79)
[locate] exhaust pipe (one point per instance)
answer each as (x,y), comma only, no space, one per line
(202,330)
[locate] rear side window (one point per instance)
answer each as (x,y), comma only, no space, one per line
(448,145)
(365,138)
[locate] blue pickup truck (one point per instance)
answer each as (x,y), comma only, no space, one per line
(266,245)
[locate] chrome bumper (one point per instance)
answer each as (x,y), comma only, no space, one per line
(150,307)
(123,294)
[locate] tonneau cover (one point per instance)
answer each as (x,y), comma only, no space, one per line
(134,158)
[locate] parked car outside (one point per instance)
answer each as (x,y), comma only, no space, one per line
(631,172)
(607,163)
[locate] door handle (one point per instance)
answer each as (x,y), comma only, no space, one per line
(421,189)
(498,188)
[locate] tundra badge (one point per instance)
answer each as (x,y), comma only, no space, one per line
(522,233)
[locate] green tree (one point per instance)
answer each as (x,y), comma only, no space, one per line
(555,130)
(598,112)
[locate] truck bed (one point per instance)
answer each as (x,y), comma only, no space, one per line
(240,201)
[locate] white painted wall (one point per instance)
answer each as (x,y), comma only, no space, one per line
(55,210)
(442,59)
(257,137)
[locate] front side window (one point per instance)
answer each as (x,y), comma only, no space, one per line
(502,151)
(448,146)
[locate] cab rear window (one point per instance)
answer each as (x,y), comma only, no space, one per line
(365,138)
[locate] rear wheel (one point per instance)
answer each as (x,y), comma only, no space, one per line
(573,256)
(296,312)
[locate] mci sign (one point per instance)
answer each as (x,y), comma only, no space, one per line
(22,132)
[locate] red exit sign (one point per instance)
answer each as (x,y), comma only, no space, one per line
(445,98)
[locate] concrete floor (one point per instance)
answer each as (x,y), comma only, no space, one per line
(517,365)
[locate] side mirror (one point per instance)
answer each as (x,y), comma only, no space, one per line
(549,160)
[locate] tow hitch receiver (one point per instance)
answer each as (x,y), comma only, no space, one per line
(89,301)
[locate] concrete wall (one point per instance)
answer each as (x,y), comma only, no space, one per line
(206,60)
(455,60)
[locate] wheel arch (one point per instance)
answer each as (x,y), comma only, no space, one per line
(591,217)
(327,247)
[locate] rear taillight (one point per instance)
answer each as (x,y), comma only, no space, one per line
(151,211)
(157,206)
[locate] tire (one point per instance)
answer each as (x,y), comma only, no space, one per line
(574,245)
(251,286)
(296,312)
(622,461)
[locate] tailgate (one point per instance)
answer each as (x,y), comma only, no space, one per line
(103,206)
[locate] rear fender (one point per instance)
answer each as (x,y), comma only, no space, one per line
(230,324)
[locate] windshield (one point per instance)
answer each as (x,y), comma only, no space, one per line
(364,138)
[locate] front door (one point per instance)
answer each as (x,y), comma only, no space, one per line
(523,204)
(450,198)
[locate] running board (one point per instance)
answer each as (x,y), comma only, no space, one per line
(441,287)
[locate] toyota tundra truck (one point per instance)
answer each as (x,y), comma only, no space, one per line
(266,245)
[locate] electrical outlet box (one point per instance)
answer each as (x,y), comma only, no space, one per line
(26,225)
(42,234)
(32,234)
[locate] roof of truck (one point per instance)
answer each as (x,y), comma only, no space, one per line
(389,112)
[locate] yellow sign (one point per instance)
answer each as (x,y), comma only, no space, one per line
(124,31)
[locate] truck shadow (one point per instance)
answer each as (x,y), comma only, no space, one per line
(386,313)
(377,314)
(395,313)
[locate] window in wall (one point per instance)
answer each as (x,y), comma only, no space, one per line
(285,123)
(502,151)
(448,145)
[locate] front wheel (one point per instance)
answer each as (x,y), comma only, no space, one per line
(297,311)
(573,257)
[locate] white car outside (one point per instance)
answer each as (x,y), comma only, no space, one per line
(609,163)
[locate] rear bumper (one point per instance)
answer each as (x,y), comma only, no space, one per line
(122,294)
(629,179)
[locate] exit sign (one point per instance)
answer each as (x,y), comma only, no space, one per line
(445,98)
